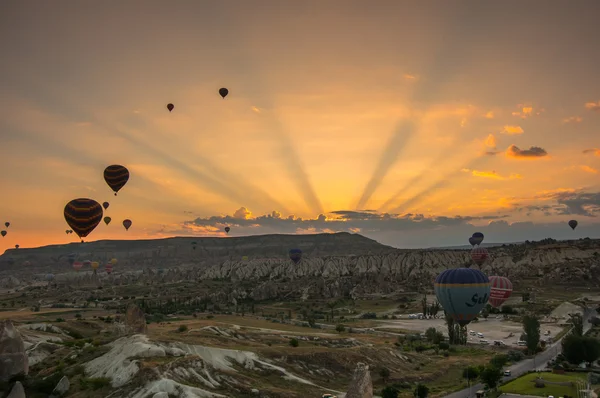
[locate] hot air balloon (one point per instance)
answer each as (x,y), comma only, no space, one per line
(472,241)
(107,220)
(116,176)
(87,263)
(113,261)
(501,289)
(108,268)
(223,92)
(462,292)
(295,255)
(479,255)
(127,223)
(67,232)
(95,265)
(16,246)
(3,233)
(83,216)
(170,107)
(105,205)
(244,258)
(77,265)
(478,238)
(7,224)
(573,224)
(227,229)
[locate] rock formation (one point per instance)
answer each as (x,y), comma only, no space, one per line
(62,387)
(13,359)
(135,320)
(17,391)
(361,385)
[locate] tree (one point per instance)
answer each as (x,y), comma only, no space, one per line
(490,376)
(485,313)
(340,328)
(294,342)
(390,392)
(577,322)
(332,305)
(499,360)
(531,327)
(424,306)
(434,336)
(434,308)
(577,349)
(470,373)
(421,391)
(384,373)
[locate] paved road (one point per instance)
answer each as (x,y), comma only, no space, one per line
(538,362)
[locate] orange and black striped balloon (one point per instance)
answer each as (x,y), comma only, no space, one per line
(83,215)
(116,176)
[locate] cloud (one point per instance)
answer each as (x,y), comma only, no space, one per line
(492,153)
(568,201)
(491,174)
(408,76)
(533,152)
(490,141)
(572,119)
(512,130)
(595,151)
(593,106)
(526,111)
(242,213)
(588,169)
(489,115)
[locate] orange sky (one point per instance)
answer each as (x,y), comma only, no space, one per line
(437,110)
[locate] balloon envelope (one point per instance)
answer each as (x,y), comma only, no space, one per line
(105,205)
(3,233)
(295,255)
(95,265)
(227,229)
(573,224)
(170,107)
(472,241)
(223,92)
(7,224)
(478,238)
(127,223)
(479,255)
(77,265)
(462,292)
(107,220)
(500,291)
(116,176)
(83,215)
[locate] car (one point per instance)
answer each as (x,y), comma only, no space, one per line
(482,341)
(521,343)
(507,372)
(480,335)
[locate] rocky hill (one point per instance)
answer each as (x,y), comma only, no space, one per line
(333,265)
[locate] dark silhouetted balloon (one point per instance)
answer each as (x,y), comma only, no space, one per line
(116,176)
(478,236)
(223,92)
(462,292)
(105,205)
(127,223)
(170,107)
(472,241)
(295,255)
(83,216)
(7,224)
(227,229)
(501,289)
(16,246)
(107,220)
(573,224)
(3,233)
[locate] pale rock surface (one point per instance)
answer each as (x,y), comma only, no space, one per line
(361,385)
(17,391)
(62,387)
(13,359)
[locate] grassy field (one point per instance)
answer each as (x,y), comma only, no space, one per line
(525,385)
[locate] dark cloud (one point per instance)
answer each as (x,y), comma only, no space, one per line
(532,152)
(492,153)
(568,203)
(595,151)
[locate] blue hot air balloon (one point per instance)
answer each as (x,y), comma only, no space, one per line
(477,238)
(462,292)
(295,255)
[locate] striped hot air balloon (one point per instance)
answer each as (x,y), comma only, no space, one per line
(83,216)
(108,268)
(501,289)
(462,292)
(479,255)
(116,176)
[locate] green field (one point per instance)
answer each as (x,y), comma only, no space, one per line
(525,385)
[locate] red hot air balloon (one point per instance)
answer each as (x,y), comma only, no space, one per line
(108,268)
(501,289)
(127,223)
(479,255)
(77,265)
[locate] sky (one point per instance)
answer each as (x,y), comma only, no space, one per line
(412,123)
